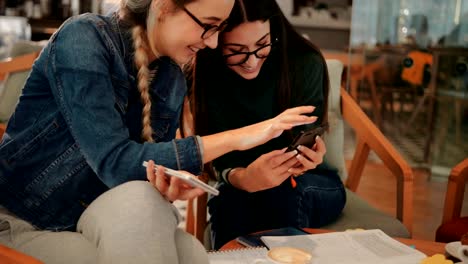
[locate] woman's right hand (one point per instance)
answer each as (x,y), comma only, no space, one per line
(259,133)
(267,171)
(171,188)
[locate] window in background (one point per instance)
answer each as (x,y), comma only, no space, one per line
(12,29)
(391,22)
(424,45)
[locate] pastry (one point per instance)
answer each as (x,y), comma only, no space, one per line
(289,255)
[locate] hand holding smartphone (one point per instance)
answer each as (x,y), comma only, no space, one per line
(307,137)
(192,181)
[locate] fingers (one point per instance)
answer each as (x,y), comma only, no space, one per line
(274,153)
(161,181)
(320,146)
(300,109)
(173,191)
(150,172)
(308,158)
(191,193)
(286,165)
(294,120)
(171,188)
(178,190)
(157,178)
(279,159)
(294,117)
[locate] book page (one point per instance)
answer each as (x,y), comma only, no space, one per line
(368,246)
(257,255)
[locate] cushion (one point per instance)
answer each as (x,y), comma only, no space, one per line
(358,213)
(10,90)
(334,139)
(452,230)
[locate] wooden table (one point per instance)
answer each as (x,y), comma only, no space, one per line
(427,247)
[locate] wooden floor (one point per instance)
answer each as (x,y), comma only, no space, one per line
(378,188)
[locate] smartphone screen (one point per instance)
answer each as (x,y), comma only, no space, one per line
(307,137)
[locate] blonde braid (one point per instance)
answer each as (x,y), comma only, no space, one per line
(141,61)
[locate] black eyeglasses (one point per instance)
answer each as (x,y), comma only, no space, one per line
(238,58)
(209,29)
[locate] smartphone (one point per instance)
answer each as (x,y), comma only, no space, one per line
(307,137)
(253,240)
(192,181)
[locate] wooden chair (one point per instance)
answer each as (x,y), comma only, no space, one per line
(13,74)
(453,225)
(2,129)
(386,86)
(16,64)
(11,256)
(357,213)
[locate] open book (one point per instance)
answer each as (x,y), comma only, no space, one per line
(353,247)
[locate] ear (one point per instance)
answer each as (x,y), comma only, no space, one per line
(161,7)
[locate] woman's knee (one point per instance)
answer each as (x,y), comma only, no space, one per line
(189,249)
(128,202)
(321,204)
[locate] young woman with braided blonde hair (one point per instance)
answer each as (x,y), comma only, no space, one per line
(105,95)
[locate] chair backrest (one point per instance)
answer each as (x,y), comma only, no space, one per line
(14,71)
(455,191)
(334,139)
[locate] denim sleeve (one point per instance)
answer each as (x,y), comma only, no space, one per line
(78,69)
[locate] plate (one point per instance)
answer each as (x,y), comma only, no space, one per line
(452,248)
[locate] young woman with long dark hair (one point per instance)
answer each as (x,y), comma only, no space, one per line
(261,67)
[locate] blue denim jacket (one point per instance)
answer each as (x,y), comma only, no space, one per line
(76,130)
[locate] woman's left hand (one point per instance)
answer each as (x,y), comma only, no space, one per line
(308,158)
(171,188)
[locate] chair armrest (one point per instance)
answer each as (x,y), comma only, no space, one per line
(369,137)
(19,63)
(455,191)
(11,256)
(196,213)
(2,129)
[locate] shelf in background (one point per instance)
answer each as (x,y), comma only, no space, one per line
(44,26)
(333,24)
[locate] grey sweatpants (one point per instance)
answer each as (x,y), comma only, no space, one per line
(131,223)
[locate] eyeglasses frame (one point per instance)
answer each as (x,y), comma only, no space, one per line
(248,53)
(206,27)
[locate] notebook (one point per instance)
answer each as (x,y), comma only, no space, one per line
(252,255)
